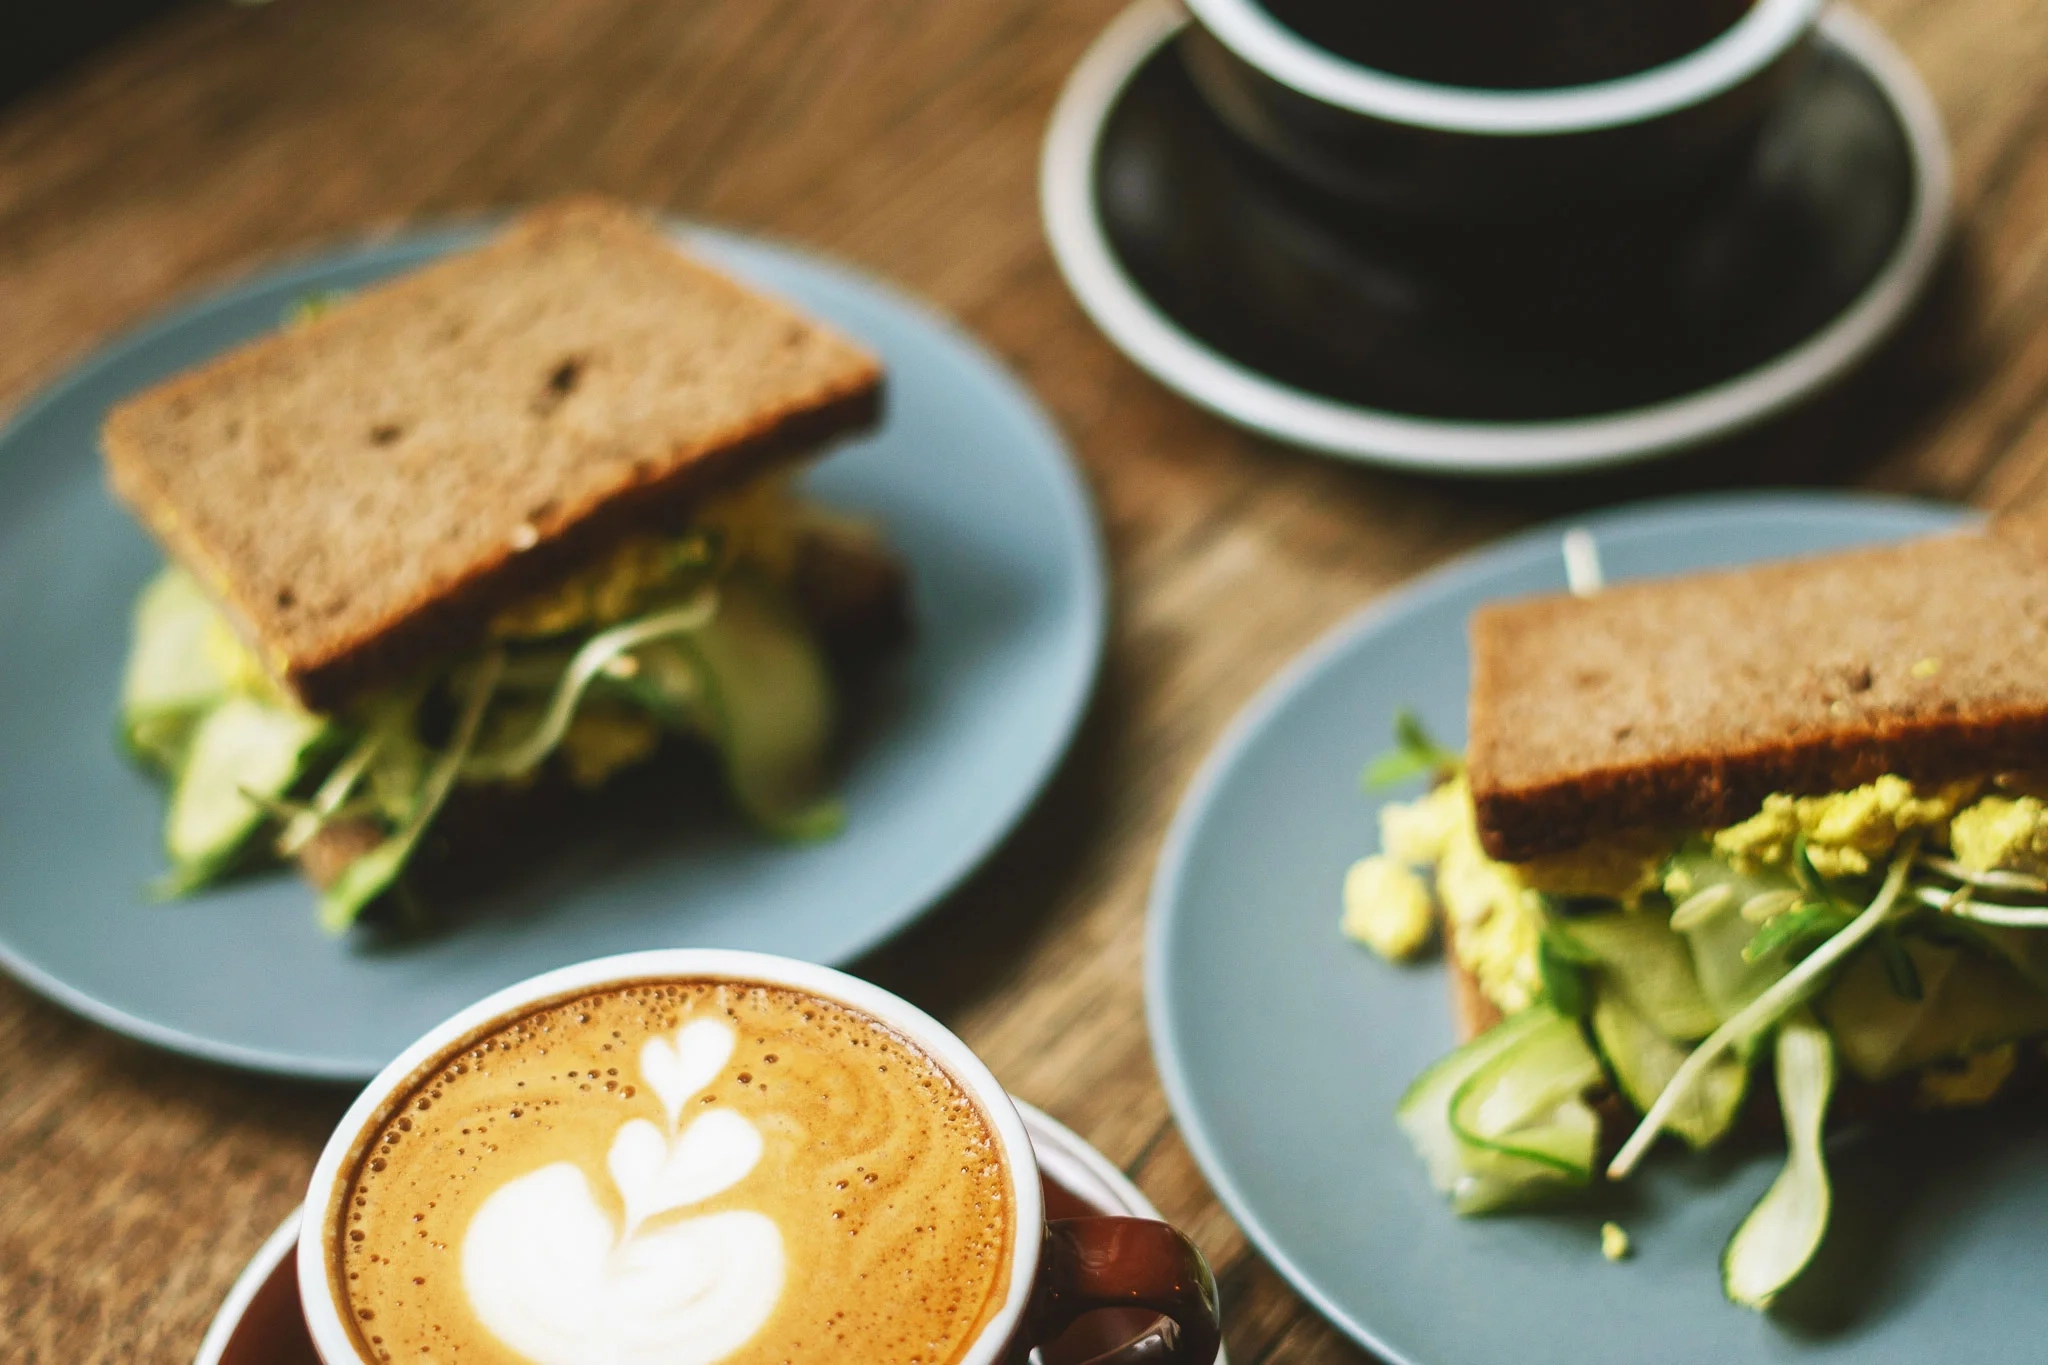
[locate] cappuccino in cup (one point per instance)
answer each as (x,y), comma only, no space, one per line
(690,1157)
(739,1166)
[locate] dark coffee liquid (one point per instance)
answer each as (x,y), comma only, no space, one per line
(1509,44)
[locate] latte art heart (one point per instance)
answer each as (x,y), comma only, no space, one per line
(677,1070)
(655,1174)
(550,1276)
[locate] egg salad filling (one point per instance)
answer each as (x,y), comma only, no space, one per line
(1892,932)
(690,635)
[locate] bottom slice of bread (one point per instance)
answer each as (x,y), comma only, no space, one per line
(1471,1011)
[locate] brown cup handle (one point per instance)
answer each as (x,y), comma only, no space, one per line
(1091,1263)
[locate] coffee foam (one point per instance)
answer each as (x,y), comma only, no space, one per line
(682,1172)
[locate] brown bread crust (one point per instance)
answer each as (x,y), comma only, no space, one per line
(1682,703)
(1471,1012)
(365,490)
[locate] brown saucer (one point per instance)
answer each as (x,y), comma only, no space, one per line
(260,1323)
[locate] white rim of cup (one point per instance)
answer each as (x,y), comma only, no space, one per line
(334,1341)
(1066,188)
(1764,33)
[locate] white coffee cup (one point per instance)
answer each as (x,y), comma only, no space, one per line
(1057,1272)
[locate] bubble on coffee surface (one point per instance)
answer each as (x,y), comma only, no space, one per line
(682,1172)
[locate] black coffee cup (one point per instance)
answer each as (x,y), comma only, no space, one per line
(1397,137)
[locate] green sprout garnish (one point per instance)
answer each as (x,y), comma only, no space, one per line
(312,304)
(1414,754)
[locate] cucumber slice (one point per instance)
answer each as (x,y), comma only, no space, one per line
(2025,950)
(241,749)
(1969,1001)
(1522,1117)
(771,708)
(172,679)
(1502,1121)
(1561,964)
(1727,979)
(1642,959)
(1644,1059)
(1424,1111)
(1781,1234)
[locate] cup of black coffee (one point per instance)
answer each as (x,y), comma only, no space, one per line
(1491,109)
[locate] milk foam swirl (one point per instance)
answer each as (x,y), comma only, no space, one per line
(551,1276)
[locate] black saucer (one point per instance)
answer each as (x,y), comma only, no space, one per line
(1546,343)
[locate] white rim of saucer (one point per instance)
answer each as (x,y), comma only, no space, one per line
(324,1321)
(1061,1153)
(227,1319)
(1763,34)
(1244,396)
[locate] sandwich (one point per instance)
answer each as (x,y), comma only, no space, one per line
(1727,851)
(459,551)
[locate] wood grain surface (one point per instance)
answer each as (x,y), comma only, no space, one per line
(901,135)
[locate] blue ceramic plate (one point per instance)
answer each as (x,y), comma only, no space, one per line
(1284,1048)
(972,484)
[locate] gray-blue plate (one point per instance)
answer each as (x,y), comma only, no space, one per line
(1284,1048)
(973,485)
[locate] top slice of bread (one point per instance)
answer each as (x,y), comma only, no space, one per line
(1682,703)
(368,488)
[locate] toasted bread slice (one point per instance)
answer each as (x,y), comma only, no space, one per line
(368,488)
(1682,703)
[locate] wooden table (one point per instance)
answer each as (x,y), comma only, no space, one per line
(902,135)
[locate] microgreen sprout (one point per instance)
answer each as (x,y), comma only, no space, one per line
(589,663)
(308,821)
(1766,906)
(2004,916)
(1414,754)
(1989,880)
(1701,906)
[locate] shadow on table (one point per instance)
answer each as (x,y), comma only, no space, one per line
(43,40)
